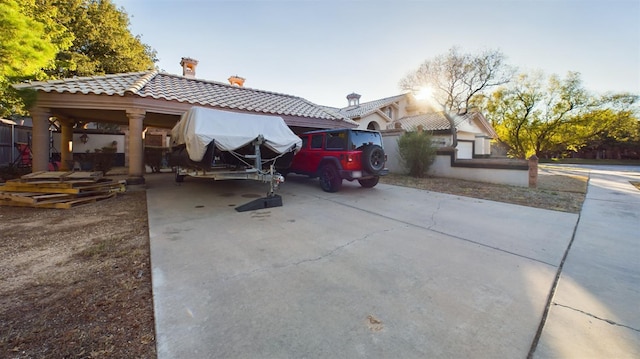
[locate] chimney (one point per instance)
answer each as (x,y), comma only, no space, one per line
(188,67)
(354,99)
(236,80)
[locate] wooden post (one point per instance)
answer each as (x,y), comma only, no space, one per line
(533,171)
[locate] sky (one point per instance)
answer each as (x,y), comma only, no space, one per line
(322,50)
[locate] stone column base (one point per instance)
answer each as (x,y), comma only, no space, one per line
(135,180)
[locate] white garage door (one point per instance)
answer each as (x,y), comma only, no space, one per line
(465,150)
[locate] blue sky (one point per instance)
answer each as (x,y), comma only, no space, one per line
(324,50)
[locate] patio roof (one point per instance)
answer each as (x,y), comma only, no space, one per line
(165,96)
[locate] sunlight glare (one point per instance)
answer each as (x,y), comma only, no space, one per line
(424,93)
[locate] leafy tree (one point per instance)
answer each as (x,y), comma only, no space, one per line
(24,48)
(621,135)
(49,39)
(103,43)
(417,152)
(29,42)
(547,116)
(457,78)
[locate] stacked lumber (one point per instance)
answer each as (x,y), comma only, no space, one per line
(58,189)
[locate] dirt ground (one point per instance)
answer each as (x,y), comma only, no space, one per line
(76,283)
(558,192)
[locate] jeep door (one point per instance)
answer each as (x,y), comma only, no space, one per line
(308,159)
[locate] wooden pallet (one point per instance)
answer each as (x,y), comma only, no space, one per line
(60,176)
(71,187)
(58,189)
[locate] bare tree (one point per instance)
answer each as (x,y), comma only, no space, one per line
(456,78)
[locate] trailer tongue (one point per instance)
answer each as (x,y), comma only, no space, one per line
(224,145)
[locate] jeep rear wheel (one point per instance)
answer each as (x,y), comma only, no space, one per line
(373,158)
(330,180)
(369,182)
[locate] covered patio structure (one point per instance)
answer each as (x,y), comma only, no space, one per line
(152,99)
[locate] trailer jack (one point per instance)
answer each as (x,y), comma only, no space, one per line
(271,200)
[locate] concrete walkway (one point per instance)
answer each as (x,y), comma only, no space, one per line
(384,272)
(595,310)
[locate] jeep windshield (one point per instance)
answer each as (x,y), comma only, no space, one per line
(359,139)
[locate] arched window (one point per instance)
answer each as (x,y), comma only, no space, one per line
(373,125)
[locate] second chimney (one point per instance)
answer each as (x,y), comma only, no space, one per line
(236,80)
(188,67)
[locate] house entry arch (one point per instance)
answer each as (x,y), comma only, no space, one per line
(373,125)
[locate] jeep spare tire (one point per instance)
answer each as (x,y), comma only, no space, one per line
(373,158)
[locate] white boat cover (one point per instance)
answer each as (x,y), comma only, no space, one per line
(230,131)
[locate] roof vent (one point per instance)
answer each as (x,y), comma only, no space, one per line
(236,80)
(188,67)
(354,99)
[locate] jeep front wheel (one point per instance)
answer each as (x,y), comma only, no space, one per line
(330,180)
(373,158)
(369,182)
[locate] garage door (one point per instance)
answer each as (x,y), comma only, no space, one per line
(465,150)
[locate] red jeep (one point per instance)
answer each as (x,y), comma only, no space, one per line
(334,155)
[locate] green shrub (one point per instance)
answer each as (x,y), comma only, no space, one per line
(417,152)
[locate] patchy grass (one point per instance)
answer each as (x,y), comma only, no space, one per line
(564,193)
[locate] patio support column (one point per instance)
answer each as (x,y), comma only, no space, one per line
(66,156)
(40,139)
(136,118)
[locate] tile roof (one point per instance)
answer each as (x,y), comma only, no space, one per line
(432,121)
(160,85)
(367,108)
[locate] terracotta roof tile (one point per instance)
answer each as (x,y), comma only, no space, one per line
(367,108)
(160,85)
(108,84)
(432,121)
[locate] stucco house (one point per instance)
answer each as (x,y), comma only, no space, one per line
(472,136)
(142,101)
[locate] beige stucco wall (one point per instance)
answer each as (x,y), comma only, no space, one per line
(390,144)
(401,109)
(513,177)
(442,166)
(374,117)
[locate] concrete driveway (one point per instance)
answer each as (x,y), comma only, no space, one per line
(372,273)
